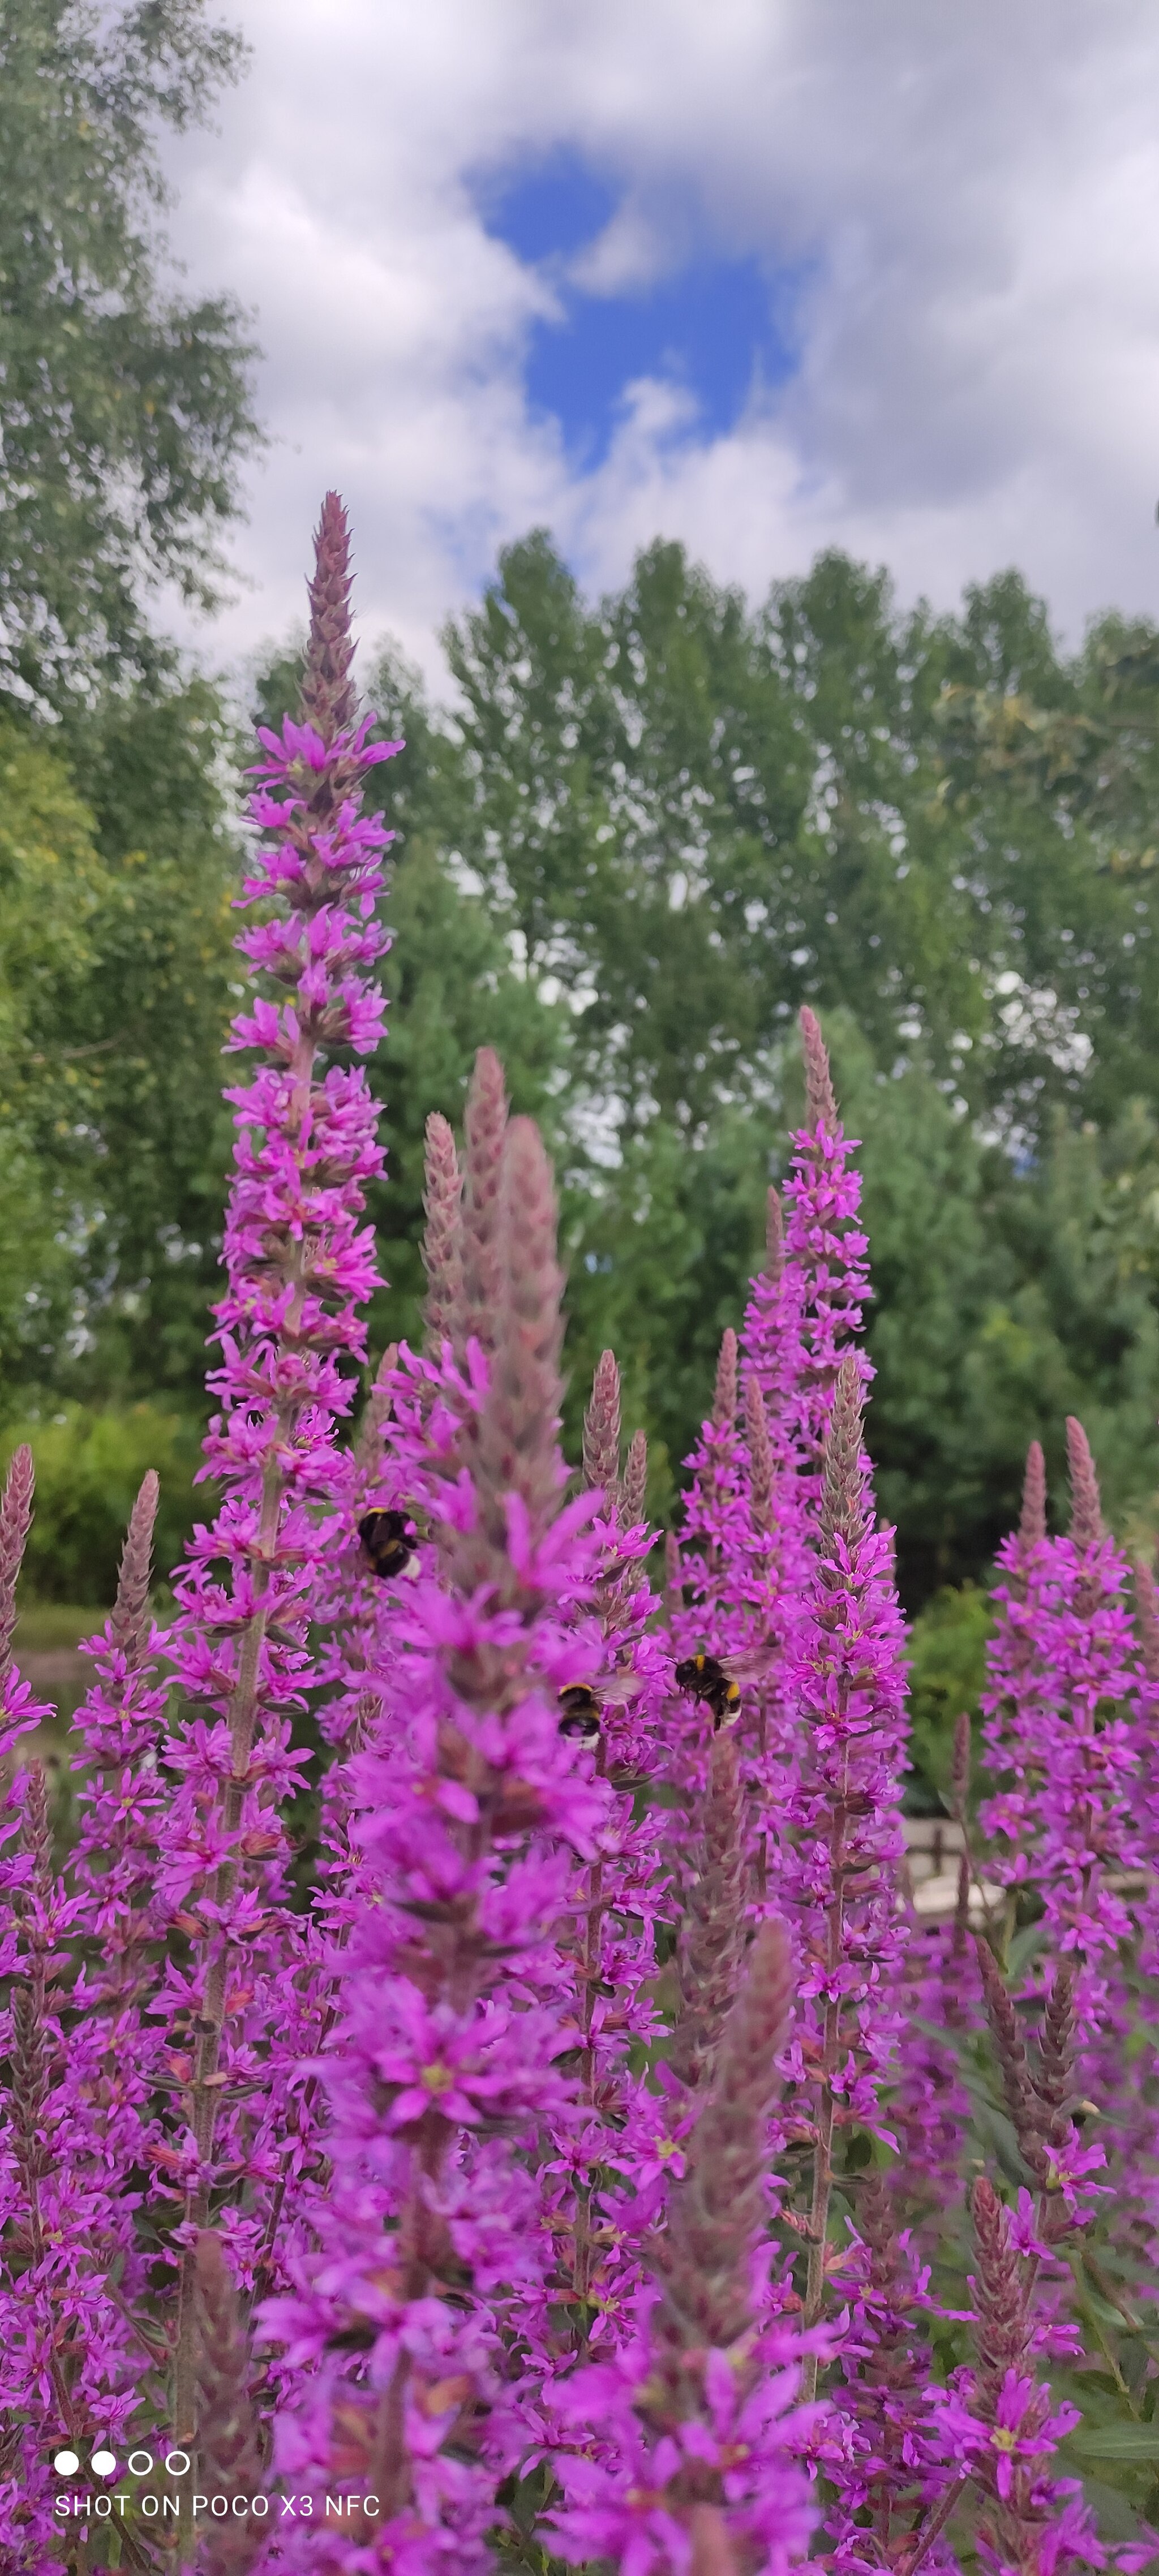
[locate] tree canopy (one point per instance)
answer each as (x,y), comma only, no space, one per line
(940,824)
(646,831)
(125,409)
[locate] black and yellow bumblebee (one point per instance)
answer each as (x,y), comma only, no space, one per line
(717,1679)
(582,1705)
(580,1713)
(389,1540)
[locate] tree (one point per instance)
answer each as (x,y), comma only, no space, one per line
(648,830)
(936,829)
(1054,768)
(117,960)
(629,770)
(124,410)
(52,884)
(156,762)
(696,818)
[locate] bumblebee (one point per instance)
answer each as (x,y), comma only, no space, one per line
(582,1706)
(717,1679)
(580,1714)
(389,1540)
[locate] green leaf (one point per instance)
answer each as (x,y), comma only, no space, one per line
(1024,1947)
(1116,2441)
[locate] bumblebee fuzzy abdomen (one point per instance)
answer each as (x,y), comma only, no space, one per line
(707,1679)
(725,1704)
(580,1714)
(385,1543)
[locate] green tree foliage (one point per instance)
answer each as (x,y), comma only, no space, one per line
(157,765)
(1006,1295)
(698,818)
(691,818)
(116,962)
(947,1652)
(124,409)
(89,1464)
(630,772)
(646,832)
(52,884)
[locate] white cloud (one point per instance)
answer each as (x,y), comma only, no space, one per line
(973,195)
(632,251)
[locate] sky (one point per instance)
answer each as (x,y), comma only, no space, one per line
(761,275)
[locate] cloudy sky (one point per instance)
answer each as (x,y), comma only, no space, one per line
(761,274)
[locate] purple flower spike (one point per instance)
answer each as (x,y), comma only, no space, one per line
(695,2417)
(472,1814)
(1063,1659)
(996,2422)
(839,1877)
(246,2005)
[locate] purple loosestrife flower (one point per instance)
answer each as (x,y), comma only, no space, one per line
(722,1597)
(1123,2073)
(1041,2095)
(38,2272)
(1014,1696)
(119,1729)
(839,1874)
(711,1949)
(54,2368)
(805,1308)
(1012,1699)
(717,1608)
(716,1513)
(825,1240)
(772,1352)
(454,2013)
(1070,1820)
(475,1313)
(729,1559)
(1068,1736)
(442,1243)
(892,2482)
(601,1441)
(1147,1631)
(103,2060)
(690,2424)
(300,1268)
(997,2423)
(600,2182)
(407,1447)
(20,1711)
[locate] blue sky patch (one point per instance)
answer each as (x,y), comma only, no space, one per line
(551,211)
(715,325)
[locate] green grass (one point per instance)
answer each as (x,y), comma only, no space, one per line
(44,1627)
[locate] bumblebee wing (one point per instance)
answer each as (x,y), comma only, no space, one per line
(615,1689)
(749,1666)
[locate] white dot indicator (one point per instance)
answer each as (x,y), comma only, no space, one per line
(66,2464)
(104,2463)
